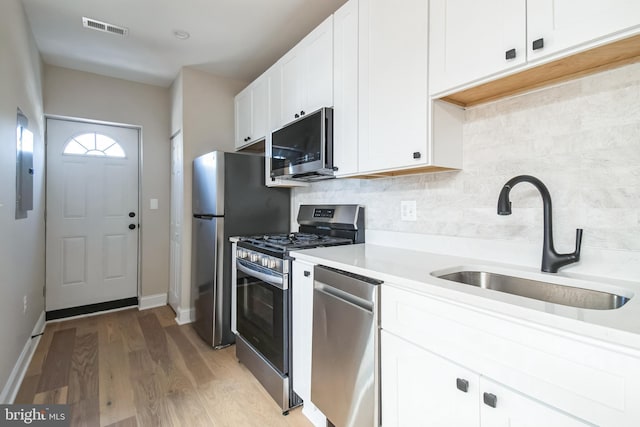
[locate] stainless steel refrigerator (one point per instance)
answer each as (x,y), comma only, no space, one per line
(229,199)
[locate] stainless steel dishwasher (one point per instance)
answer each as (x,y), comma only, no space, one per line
(345,367)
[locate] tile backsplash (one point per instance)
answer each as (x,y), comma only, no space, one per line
(581,138)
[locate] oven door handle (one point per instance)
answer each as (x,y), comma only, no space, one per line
(276,281)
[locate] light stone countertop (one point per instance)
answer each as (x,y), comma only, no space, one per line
(411,270)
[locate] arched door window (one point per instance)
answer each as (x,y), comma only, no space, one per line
(93,144)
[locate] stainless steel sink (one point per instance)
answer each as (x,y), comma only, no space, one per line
(543,291)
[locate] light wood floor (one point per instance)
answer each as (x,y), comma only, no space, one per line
(138,368)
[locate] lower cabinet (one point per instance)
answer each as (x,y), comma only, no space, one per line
(539,375)
(420,388)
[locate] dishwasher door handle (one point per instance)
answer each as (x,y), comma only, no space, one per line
(330,291)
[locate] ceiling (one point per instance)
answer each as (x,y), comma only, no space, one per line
(237,39)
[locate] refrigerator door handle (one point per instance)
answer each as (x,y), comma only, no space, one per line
(205,217)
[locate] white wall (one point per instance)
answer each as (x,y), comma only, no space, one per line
(21,241)
(204,106)
(90,96)
(582,139)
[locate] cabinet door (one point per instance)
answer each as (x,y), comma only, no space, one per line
(513,409)
(302,324)
(259,108)
(345,88)
(563,24)
(243,117)
(472,39)
(274,83)
(393,46)
(421,389)
(291,71)
(318,72)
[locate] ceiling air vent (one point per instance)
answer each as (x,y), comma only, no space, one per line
(104,27)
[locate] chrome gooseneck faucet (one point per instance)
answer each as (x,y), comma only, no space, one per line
(551,260)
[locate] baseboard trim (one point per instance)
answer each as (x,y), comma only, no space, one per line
(10,390)
(152,301)
(91,308)
(184,316)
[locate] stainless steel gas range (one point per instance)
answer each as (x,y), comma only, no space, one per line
(263,267)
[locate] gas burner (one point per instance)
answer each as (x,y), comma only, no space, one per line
(277,238)
(305,237)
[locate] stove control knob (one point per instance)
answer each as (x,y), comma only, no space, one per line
(273,263)
(254,257)
(240,253)
(264,261)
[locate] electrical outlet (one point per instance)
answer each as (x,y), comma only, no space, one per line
(24,302)
(408,210)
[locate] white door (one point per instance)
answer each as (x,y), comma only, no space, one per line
(175,249)
(92,213)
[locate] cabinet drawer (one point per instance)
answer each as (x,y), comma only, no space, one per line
(580,378)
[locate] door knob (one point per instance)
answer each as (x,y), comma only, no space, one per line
(132,226)
(132,214)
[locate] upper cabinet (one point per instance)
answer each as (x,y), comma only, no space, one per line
(384,121)
(524,44)
(465,47)
(557,25)
(393,42)
(273,77)
(306,75)
(345,88)
(251,113)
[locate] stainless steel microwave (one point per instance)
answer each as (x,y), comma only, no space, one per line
(303,149)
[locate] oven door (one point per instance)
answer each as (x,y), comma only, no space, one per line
(262,315)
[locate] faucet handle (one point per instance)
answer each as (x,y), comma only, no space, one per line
(578,243)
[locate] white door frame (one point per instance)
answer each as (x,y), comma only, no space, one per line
(140,166)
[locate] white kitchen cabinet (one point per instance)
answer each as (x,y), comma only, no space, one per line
(306,74)
(273,77)
(251,113)
(302,327)
(345,88)
(424,389)
(540,376)
(393,107)
(419,388)
(474,41)
(242,117)
(465,47)
(565,24)
(399,128)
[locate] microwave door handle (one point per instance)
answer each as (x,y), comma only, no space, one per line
(278,282)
